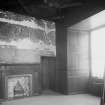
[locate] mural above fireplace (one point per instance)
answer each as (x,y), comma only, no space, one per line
(25,39)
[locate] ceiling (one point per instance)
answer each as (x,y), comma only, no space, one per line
(46,9)
(94,22)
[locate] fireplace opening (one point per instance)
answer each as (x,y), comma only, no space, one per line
(19,85)
(18,89)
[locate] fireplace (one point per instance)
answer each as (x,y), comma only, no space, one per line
(20,80)
(18,85)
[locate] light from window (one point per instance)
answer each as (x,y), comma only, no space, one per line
(98,52)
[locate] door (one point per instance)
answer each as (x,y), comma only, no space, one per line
(48,70)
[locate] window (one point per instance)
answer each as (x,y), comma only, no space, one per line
(98,52)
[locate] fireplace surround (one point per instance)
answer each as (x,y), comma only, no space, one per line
(19,80)
(18,85)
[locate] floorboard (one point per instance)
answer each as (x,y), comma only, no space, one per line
(52,98)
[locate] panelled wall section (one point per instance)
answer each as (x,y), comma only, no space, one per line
(77,60)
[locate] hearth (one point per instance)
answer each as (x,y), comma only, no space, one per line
(18,85)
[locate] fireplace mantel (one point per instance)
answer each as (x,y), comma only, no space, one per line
(13,69)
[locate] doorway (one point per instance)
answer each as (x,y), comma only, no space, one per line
(48,70)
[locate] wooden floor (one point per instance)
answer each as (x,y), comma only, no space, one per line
(52,98)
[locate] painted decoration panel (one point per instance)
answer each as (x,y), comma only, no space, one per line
(25,39)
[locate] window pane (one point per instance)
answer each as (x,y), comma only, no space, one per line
(98,52)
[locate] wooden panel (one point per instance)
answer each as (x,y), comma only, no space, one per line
(48,68)
(1,87)
(77,50)
(2,91)
(61,81)
(36,83)
(52,73)
(77,60)
(77,84)
(61,46)
(61,58)
(44,71)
